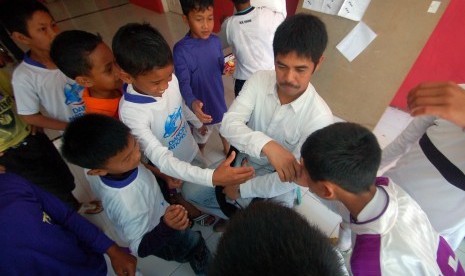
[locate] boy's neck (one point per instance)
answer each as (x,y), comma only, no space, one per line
(43,57)
(356,202)
(104,94)
(242,7)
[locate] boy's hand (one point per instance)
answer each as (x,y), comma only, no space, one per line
(225,175)
(173,183)
(123,263)
(446,100)
(287,167)
(229,71)
(203,130)
(176,217)
(232,192)
(197,108)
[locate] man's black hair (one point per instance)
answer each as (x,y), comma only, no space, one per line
(346,154)
(91,140)
(70,52)
(191,5)
(140,48)
(14,14)
(303,34)
(270,239)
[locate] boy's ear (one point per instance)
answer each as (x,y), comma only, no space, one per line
(184,19)
(125,77)
(20,38)
(99,172)
(84,81)
(329,190)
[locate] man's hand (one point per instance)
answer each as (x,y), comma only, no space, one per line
(176,217)
(232,192)
(197,109)
(446,100)
(203,130)
(123,263)
(225,175)
(287,167)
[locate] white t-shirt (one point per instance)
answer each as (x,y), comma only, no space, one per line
(250,35)
(134,205)
(256,117)
(441,201)
(160,126)
(399,240)
(37,88)
(275,5)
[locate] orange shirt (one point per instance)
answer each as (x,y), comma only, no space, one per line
(107,107)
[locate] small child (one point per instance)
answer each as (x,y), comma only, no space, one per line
(132,199)
(250,34)
(199,65)
(84,57)
(393,234)
(153,108)
(38,84)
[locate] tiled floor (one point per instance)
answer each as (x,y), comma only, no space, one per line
(105,17)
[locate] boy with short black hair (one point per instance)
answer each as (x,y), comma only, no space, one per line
(85,58)
(199,66)
(37,82)
(270,239)
(393,234)
(130,193)
(250,33)
(153,108)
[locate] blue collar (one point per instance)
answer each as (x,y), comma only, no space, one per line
(122,182)
(246,11)
(136,98)
(32,62)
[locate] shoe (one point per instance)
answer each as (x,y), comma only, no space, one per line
(91,208)
(220,226)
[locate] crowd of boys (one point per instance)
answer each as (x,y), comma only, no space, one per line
(140,101)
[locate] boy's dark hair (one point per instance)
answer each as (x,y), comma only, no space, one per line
(346,154)
(270,239)
(303,34)
(70,52)
(14,14)
(140,48)
(89,141)
(197,5)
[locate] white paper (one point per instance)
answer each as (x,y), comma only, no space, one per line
(434,6)
(356,41)
(351,9)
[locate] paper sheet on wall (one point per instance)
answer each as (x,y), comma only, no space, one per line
(356,41)
(350,9)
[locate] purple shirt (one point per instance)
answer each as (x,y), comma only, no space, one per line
(199,65)
(40,235)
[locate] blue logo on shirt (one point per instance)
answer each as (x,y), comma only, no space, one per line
(72,94)
(175,129)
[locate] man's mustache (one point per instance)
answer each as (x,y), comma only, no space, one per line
(282,84)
